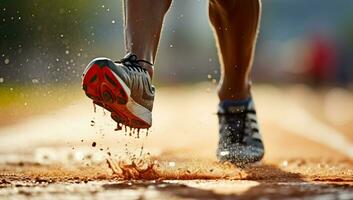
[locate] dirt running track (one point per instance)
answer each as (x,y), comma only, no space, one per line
(75,153)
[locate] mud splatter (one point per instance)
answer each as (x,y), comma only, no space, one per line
(94,108)
(136,170)
(152,169)
(119,127)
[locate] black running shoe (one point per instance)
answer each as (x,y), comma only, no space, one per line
(239,136)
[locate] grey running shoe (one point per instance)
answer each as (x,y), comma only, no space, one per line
(124,88)
(239,136)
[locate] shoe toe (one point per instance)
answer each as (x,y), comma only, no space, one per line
(241,154)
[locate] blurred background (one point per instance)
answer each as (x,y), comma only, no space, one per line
(45,45)
(303,89)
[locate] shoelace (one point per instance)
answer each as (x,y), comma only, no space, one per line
(235,125)
(131,62)
(238,125)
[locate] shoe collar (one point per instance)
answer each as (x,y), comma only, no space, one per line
(234,106)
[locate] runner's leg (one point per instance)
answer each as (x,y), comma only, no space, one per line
(143,23)
(235,23)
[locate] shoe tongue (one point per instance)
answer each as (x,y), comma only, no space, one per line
(234,106)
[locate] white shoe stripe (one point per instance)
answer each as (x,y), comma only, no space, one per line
(135,108)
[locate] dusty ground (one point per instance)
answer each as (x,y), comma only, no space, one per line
(308,137)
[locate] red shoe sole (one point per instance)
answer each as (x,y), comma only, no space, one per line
(107,91)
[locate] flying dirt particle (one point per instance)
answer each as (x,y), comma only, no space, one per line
(81,140)
(101,149)
(93,122)
(89,156)
(94,144)
(109,154)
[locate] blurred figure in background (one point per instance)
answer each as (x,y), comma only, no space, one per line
(124,87)
(322,60)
